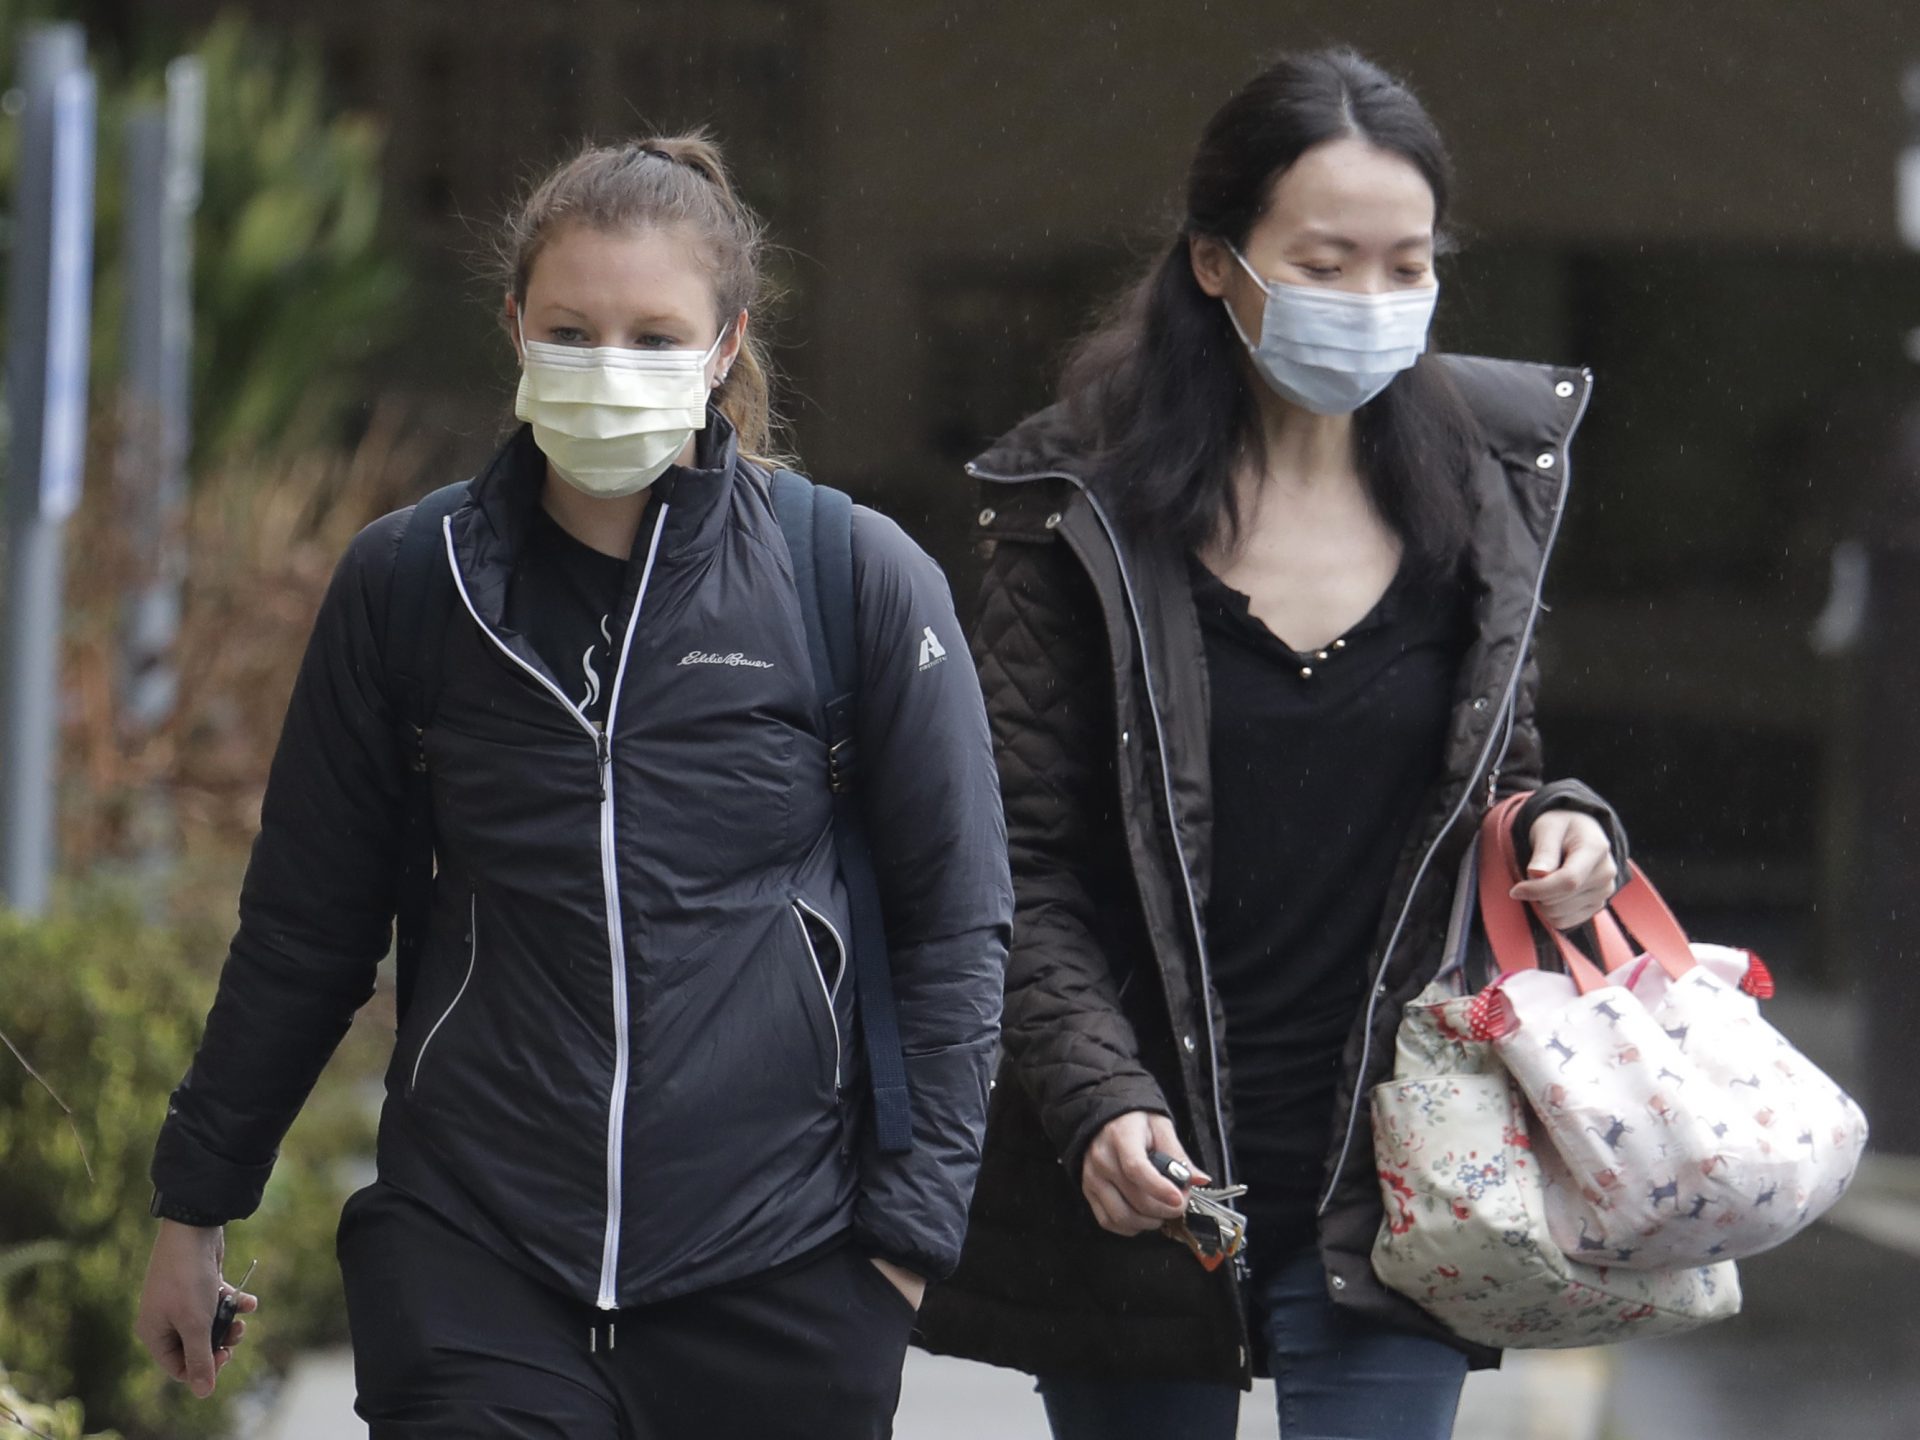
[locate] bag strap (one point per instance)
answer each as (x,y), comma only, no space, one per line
(1509,927)
(1637,906)
(1459,939)
(818,525)
(420,599)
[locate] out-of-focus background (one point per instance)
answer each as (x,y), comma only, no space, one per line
(1697,201)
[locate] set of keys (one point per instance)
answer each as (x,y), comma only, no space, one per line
(1211,1228)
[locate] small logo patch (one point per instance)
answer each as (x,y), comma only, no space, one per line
(932,652)
(736,660)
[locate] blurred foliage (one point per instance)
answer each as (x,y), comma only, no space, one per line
(109,1012)
(23,1419)
(296,290)
(265,535)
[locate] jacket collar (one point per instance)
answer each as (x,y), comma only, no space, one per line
(490,530)
(1527,415)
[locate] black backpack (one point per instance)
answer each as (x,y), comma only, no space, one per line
(818,526)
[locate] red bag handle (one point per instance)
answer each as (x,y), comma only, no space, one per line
(1509,931)
(1638,906)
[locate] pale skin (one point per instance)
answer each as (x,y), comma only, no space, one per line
(638,289)
(1313,555)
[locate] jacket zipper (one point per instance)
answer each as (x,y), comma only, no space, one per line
(801,910)
(610,885)
(473,954)
(1166,781)
(1499,735)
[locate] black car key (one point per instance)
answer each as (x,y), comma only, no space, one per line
(1176,1171)
(228,1308)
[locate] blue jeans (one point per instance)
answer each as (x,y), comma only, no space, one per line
(1336,1375)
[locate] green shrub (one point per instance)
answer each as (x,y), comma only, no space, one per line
(109,1013)
(23,1419)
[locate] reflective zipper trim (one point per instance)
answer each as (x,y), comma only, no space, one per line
(593,731)
(838,944)
(473,954)
(1498,736)
(610,885)
(617,945)
(801,910)
(1166,781)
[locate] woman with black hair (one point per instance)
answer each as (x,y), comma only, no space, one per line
(1256,635)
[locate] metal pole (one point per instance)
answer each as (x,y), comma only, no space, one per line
(163,171)
(47,317)
(163,191)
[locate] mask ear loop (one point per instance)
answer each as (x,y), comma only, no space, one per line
(714,349)
(1265,289)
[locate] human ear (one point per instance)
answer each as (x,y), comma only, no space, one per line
(510,310)
(1212,262)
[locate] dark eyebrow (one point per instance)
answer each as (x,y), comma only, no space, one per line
(1347,246)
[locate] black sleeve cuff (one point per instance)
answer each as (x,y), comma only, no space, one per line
(161,1208)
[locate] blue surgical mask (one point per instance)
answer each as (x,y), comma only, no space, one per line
(1331,351)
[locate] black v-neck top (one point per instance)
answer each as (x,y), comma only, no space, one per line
(1321,762)
(565,598)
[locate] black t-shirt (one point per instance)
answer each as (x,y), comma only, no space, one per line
(1321,762)
(565,597)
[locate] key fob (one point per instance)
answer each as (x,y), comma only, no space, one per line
(1173,1169)
(223,1316)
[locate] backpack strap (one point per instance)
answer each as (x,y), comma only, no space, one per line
(420,599)
(818,525)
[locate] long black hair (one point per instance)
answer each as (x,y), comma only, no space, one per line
(1162,387)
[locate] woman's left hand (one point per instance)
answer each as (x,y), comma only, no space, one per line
(1571,875)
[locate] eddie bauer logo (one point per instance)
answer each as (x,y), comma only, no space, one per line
(736,660)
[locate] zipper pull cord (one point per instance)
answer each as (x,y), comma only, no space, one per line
(603,754)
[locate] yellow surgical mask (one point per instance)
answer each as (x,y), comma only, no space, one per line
(611,420)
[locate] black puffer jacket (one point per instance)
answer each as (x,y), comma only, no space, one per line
(1090,652)
(631,1065)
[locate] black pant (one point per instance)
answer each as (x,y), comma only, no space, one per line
(450,1341)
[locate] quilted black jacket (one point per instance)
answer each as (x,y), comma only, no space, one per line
(1090,655)
(631,1065)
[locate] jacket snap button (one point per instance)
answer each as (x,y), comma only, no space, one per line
(1339,1282)
(1545,460)
(1188,1042)
(1053,520)
(1480,702)
(986,517)
(1563,389)
(1125,736)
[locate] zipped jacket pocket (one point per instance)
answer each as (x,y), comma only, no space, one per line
(473,956)
(815,928)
